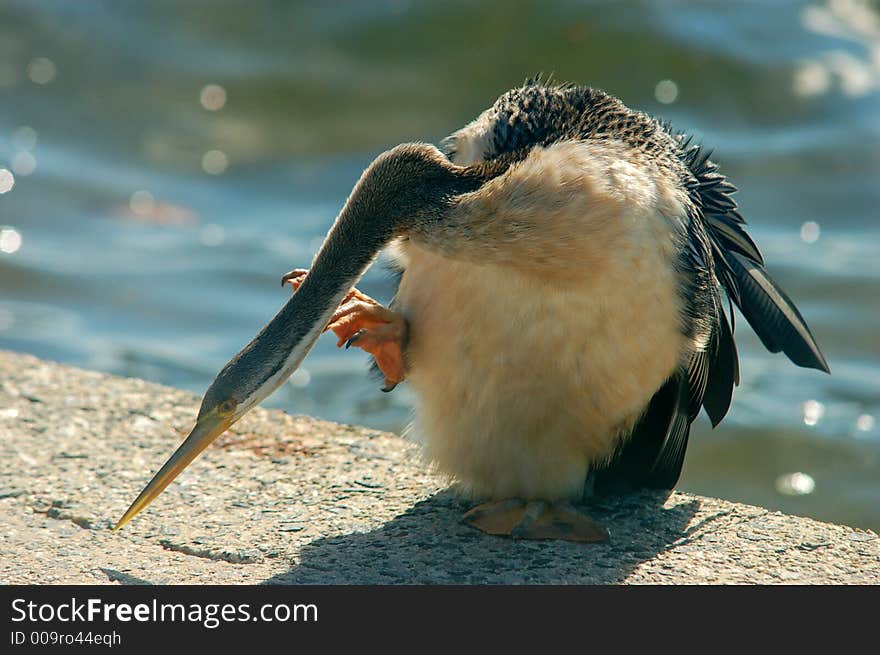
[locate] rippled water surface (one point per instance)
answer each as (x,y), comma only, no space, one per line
(163,163)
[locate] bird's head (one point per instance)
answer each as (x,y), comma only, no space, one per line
(404,188)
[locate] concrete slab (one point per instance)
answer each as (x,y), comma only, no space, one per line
(289,499)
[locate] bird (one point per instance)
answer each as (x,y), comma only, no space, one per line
(566,270)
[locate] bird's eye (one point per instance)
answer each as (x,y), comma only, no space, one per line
(226,407)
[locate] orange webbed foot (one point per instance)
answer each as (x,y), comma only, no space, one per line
(365,324)
(535,519)
(362,322)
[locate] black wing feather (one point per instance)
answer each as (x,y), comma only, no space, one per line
(773,316)
(653,454)
(739,268)
(730,234)
(666,469)
(724,368)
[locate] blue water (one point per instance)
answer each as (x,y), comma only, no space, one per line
(144,253)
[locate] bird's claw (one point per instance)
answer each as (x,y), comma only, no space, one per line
(357,335)
(362,322)
(365,324)
(294,278)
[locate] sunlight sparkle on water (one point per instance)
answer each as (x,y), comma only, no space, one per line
(213,97)
(813,412)
(10,240)
(855,68)
(214,162)
(795,484)
(24,163)
(810,232)
(41,70)
(811,79)
(300,378)
(865,423)
(7,180)
(666,91)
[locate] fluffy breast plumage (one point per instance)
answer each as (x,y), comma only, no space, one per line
(533,361)
(566,318)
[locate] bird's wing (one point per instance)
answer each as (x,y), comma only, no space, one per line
(739,266)
(653,453)
(718,243)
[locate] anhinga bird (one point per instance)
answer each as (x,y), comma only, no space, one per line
(559,312)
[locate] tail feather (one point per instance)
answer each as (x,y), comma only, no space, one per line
(773,316)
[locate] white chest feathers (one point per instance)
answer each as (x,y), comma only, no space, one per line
(528,375)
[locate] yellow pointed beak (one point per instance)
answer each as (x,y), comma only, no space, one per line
(208,428)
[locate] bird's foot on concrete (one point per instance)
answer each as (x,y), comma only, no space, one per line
(362,322)
(535,519)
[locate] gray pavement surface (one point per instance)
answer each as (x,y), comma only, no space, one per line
(287,499)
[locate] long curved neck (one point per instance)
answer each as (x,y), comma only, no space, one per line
(372,217)
(398,193)
(348,251)
(350,248)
